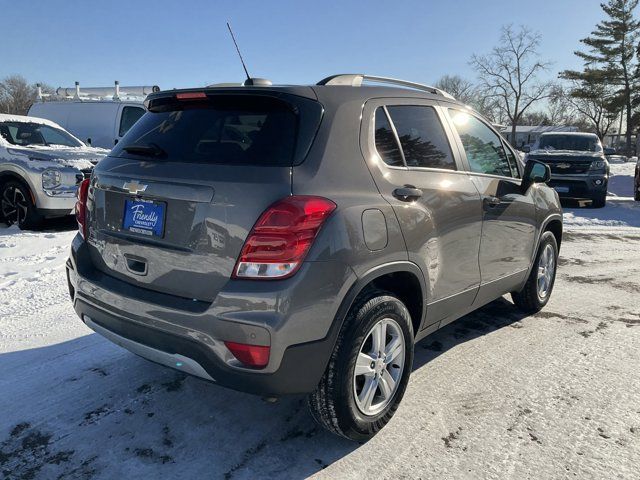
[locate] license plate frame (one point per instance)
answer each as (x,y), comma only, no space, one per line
(144,217)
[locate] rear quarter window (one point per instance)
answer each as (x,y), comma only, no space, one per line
(422,137)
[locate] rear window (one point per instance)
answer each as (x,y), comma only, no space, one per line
(231,130)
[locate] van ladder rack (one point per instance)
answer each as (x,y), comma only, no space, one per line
(98,93)
(356,79)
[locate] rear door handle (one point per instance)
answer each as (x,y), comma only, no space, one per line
(491,202)
(407,193)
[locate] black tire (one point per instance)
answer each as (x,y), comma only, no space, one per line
(599,202)
(529,299)
(636,196)
(16,206)
(333,403)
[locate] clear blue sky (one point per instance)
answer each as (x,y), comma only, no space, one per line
(186,43)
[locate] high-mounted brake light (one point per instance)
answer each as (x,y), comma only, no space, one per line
(282,236)
(81,207)
(252,356)
(191,96)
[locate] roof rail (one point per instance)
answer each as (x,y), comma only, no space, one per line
(356,79)
(94,93)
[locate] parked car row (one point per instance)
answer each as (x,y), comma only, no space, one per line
(296,239)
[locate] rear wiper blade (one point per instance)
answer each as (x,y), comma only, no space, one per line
(150,150)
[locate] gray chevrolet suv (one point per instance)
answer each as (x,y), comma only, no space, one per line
(301,239)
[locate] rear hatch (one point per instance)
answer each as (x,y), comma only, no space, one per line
(171,206)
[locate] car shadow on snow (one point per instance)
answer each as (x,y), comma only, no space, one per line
(59,224)
(493,316)
(110,414)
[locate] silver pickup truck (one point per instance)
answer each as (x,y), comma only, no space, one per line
(41,166)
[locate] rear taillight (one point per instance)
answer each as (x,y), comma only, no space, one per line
(282,236)
(252,356)
(81,207)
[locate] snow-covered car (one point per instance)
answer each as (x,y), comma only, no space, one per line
(41,166)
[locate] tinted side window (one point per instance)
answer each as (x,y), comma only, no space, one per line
(513,163)
(130,115)
(483,147)
(386,144)
(422,137)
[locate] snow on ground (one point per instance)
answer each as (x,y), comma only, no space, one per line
(621,212)
(494,395)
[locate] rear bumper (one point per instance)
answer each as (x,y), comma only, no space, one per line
(579,186)
(189,336)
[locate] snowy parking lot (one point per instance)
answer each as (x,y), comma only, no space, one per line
(494,395)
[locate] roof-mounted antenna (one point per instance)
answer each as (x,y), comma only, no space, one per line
(238,50)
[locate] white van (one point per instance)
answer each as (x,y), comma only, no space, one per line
(96,118)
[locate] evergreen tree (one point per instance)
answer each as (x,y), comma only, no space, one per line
(610,58)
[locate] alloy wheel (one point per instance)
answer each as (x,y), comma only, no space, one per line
(546,269)
(14,205)
(379,367)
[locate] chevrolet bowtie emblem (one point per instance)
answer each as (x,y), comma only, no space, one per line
(134,187)
(563,165)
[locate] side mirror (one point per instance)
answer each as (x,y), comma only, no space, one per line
(88,142)
(526,148)
(535,172)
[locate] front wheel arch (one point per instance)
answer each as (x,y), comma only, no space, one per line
(15,177)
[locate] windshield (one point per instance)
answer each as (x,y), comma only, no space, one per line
(225,130)
(27,134)
(580,143)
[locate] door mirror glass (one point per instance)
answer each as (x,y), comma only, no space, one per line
(535,172)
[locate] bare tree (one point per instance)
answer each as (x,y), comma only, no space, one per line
(510,73)
(459,87)
(468,93)
(536,117)
(17,95)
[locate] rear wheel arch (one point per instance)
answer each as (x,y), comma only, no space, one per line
(402,279)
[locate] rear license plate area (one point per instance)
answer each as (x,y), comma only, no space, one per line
(144,217)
